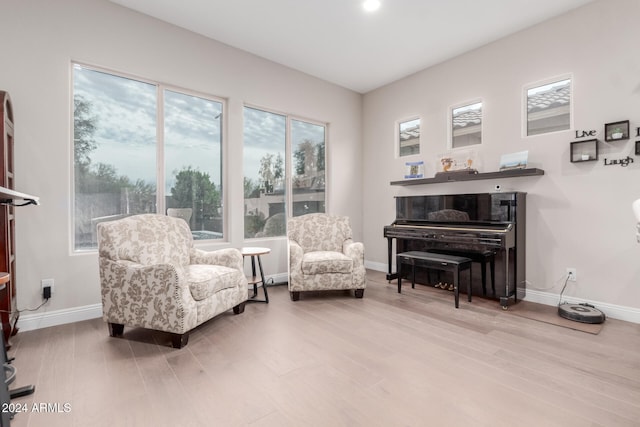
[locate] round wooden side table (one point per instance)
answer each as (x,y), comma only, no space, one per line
(254,253)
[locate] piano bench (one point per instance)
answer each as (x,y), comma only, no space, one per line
(480,256)
(431,260)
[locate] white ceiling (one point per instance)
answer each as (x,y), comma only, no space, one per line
(337,41)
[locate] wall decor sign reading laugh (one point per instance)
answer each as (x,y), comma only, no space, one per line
(621,162)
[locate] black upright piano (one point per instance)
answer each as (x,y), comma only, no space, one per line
(492,223)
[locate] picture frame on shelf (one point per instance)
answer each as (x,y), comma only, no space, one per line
(584,151)
(616,131)
(414,170)
(514,161)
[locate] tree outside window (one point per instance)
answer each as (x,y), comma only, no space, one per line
(116,148)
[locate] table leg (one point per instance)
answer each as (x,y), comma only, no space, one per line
(264,283)
(253,274)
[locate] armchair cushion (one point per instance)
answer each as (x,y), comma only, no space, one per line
(205,280)
(320,262)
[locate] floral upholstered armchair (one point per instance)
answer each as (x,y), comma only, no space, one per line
(323,255)
(152,276)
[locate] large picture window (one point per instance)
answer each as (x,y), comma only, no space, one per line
(130,159)
(284,171)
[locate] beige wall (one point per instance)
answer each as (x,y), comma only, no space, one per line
(579,215)
(40,38)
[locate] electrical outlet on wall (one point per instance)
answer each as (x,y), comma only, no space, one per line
(572,273)
(47,283)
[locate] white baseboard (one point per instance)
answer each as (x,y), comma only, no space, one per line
(277,279)
(628,314)
(29,322)
(377,266)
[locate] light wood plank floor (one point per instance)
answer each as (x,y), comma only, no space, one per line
(333,360)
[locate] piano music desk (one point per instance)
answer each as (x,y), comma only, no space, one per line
(435,261)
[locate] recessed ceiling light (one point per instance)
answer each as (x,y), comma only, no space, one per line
(371,5)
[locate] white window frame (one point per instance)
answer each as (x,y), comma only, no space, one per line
(160,157)
(544,82)
(398,123)
(450,123)
(289,163)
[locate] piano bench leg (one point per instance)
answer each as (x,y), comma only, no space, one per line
(413,276)
(469,286)
(483,270)
(456,288)
(399,273)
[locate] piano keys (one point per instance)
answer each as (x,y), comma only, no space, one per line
(466,223)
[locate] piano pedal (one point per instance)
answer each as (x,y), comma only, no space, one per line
(451,287)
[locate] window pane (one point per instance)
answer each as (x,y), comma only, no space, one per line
(409,137)
(264,173)
(307,146)
(193,173)
(549,108)
(466,125)
(114,150)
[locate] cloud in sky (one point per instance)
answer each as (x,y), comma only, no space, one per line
(126,112)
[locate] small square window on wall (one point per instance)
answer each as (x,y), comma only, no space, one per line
(548,106)
(466,125)
(408,132)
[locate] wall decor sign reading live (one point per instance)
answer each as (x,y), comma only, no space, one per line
(586,133)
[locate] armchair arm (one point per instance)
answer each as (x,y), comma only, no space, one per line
(152,297)
(355,251)
(229,257)
(295,265)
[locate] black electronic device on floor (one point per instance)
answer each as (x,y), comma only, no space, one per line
(584,313)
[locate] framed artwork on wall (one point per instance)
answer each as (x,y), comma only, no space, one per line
(616,131)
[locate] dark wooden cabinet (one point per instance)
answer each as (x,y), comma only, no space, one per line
(8,313)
